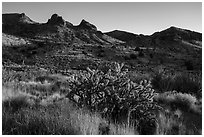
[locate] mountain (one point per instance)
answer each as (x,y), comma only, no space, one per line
(59,44)
(16,18)
(122,35)
(130,38)
(174,35)
(171,38)
(56,29)
(86,25)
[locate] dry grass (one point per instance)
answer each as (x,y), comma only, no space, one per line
(22,114)
(183,114)
(25,112)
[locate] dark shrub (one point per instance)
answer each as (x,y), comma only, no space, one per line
(141,54)
(151,55)
(100,47)
(126,57)
(84,52)
(184,83)
(133,56)
(104,129)
(147,127)
(137,49)
(189,65)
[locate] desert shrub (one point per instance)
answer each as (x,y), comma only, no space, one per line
(137,49)
(15,104)
(160,81)
(179,122)
(187,83)
(99,47)
(133,56)
(141,53)
(126,57)
(101,55)
(184,83)
(151,55)
(168,124)
(113,47)
(189,65)
(84,52)
(114,95)
(182,101)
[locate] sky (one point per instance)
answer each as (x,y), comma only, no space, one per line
(136,17)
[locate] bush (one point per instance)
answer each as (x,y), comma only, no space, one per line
(133,56)
(168,124)
(189,65)
(184,83)
(160,82)
(183,113)
(137,49)
(151,55)
(141,54)
(126,57)
(113,95)
(183,101)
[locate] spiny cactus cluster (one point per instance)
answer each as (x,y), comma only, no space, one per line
(114,94)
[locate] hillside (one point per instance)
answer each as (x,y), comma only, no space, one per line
(55,29)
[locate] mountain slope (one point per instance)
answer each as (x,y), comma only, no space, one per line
(15,18)
(170,36)
(56,29)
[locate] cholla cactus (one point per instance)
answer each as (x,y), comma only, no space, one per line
(113,93)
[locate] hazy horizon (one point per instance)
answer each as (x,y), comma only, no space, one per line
(136,17)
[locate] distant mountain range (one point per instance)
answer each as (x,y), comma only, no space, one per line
(57,36)
(58,29)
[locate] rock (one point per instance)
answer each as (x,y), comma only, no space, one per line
(56,20)
(86,25)
(15,18)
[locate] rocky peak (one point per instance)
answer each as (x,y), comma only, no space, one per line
(56,20)
(14,18)
(86,25)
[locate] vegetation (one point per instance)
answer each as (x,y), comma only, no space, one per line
(133,56)
(23,115)
(106,99)
(115,96)
(182,82)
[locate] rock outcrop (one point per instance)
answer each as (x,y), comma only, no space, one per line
(86,25)
(16,18)
(56,20)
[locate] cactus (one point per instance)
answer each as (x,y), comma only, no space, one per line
(113,93)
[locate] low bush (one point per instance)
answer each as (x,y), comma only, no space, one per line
(184,83)
(133,56)
(189,65)
(141,54)
(178,123)
(182,101)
